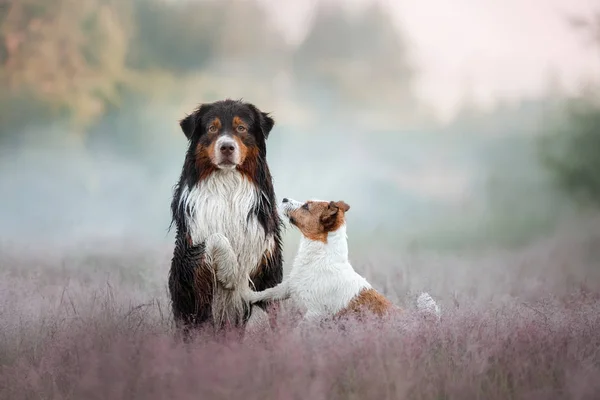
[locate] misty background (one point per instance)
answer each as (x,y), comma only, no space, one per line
(465,139)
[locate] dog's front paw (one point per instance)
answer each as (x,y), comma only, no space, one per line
(222,259)
(225,280)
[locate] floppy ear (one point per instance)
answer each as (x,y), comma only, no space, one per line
(264,120)
(191,122)
(329,215)
(188,124)
(343,205)
(266,123)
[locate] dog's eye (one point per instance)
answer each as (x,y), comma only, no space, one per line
(212,129)
(241,128)
(305,206)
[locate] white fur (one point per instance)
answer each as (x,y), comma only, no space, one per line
(322,280)
(219,252)
(227,305)
(217,212)
(235,159)
(221,204)
(425,303)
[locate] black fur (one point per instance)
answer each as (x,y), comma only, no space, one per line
(190,280)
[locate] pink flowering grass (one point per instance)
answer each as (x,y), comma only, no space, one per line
(96,325)
(540,351)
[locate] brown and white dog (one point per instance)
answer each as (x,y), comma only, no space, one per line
(225,187)
(321,280)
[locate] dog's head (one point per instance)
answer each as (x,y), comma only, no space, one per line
(227,135)
(315,218)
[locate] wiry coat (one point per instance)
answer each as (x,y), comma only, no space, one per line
(238,203)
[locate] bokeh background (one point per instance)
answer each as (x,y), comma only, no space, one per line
(464,134)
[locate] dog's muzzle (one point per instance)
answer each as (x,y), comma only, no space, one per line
(287,205)
(227,152)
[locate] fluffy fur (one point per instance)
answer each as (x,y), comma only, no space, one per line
(225,188)
(322,279)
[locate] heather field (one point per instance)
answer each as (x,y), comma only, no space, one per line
(94,323)
(465,141)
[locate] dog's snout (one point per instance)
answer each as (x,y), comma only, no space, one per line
(285,200)
(227,152)
(227,148)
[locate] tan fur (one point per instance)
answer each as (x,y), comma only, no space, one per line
(239,122)
(206,151)
(368,301)
(216,123)
(317,218)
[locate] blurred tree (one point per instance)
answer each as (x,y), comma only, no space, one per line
(359,60)
(69,54)
(173,36)
(245,33)
(572,150)
(188,36)
(77,60)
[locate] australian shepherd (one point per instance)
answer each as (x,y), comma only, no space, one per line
(225,187)
(322,280)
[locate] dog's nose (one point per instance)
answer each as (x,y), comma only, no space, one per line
(227,149)
(285,200)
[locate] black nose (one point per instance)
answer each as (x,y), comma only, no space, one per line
(285,200)
(227,149)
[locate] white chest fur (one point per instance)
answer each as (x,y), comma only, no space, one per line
(322,280)
(222,203)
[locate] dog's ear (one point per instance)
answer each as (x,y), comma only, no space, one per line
(342,205)
(190,123)
(265,121)
(329,215)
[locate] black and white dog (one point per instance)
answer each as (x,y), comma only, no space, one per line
(225,187)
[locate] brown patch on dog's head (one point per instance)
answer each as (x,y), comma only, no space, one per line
(315,219)
(227,135)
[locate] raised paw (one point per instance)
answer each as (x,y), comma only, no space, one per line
(225,280)
(223,260)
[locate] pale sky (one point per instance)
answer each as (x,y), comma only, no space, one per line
(500,48)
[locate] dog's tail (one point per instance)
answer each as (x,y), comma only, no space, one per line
(426,304)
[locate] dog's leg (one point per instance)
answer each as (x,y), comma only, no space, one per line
(268,275)
(229,308)
(190,286)
(223,260)
(277,293)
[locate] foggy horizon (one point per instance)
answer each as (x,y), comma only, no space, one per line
(518,47)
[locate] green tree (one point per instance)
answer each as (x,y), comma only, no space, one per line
(572,150)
